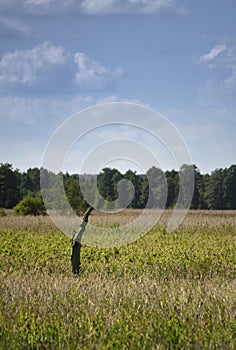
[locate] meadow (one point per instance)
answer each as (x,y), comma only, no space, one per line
(164,291)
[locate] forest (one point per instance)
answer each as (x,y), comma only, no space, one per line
(211,191)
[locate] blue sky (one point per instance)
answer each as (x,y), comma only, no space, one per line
(58,57)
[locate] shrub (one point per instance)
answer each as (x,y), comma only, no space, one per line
(2,213)
(30,206)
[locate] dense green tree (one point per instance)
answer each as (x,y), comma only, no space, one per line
(215,190)
(137,185)
(173,188)
(229,187)
(74,194)
(198,201)
(157,188)
(9,186)
(107,182)
(144,191)
(187,185)
(52,190)
(201,181)
(30,181)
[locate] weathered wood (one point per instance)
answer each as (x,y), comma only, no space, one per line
(75,258)
(76,243)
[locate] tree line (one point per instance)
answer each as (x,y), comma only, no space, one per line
(155,189)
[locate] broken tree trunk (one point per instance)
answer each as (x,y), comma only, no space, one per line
(76,243)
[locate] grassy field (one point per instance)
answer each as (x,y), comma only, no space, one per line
(165,291)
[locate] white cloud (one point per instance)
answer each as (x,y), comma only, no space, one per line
(13,28)
(93,75)
(25,67)
(112,7)
(214,52)
(49,68)
(88,69)
(223,72)
(114,98)
(91,7)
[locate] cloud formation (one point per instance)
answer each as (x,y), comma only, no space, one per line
(13,28)
(118,7)
(214,52)
(223,81)
(90,7)
(92,74)
(49,68)
(23,67)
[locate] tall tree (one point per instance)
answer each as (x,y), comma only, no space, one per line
(74,194)
(229,187)
(215,190)
(157,188)
(9,186)
(144,191)
(173,188)
(137,184)
(30,182)
(107,182)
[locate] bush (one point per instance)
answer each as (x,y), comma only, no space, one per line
(30,206)
(2,213)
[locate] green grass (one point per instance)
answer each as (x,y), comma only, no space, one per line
(165,291)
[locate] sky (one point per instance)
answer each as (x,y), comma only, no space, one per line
(176,57)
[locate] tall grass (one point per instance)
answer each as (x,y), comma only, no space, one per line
(165,291)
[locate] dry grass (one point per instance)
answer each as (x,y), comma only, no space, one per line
(193,218)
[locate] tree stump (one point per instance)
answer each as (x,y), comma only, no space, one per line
(76,243)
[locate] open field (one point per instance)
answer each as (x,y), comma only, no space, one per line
(165,291)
